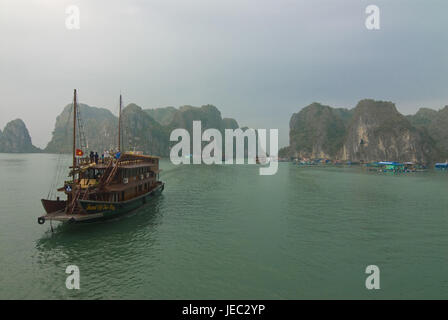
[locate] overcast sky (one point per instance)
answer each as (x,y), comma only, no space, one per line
(258,61)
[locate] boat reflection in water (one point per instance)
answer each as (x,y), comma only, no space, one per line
(110,258)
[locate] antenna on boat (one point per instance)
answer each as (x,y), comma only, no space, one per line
(119,126)
(74,131)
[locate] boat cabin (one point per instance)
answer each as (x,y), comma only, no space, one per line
(116,180)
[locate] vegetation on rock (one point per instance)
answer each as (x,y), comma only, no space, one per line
(15,138)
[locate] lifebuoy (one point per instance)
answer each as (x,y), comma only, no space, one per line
(41,220)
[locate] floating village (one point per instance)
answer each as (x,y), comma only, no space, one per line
(373,166)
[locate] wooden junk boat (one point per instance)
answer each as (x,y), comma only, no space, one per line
(104,189)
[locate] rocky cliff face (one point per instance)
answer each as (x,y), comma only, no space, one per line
(144,130)
(100,128)
(162,115)
(317,131)
(423,117)
(435,124)
(209,116)
(229,123)
(378,132)
(372,131)
(141,132)
(16,138)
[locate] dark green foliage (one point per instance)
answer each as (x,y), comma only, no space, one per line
(140,130)
(162,115)
(434,124)
(100,129)
(318,130)
(373,131)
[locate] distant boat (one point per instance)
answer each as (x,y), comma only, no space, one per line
(397,167)
(441,166)
(104,189)
(261,160)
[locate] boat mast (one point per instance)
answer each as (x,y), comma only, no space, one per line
(119,127)
(74,131)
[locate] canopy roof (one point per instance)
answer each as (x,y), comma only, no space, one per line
(442,164)
(393,163)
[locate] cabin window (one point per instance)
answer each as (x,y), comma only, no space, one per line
(122,195)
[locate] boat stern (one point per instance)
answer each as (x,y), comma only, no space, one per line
(51,206)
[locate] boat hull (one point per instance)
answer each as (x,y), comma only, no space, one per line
(99,210)
(107,210)
(51,206)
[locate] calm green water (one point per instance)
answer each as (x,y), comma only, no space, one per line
(224,232)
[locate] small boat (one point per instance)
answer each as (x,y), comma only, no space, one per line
(443,166)
(100,190)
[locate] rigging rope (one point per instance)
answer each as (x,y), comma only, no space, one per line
(59,168)
(81,142)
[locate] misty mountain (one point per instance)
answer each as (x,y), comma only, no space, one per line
(372,131)
(100,127)
(435,124)
(15,138)
(378,132)
(318,131)
(141,132)
(162,115)
(146,130)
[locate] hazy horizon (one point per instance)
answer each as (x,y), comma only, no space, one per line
(256,61)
